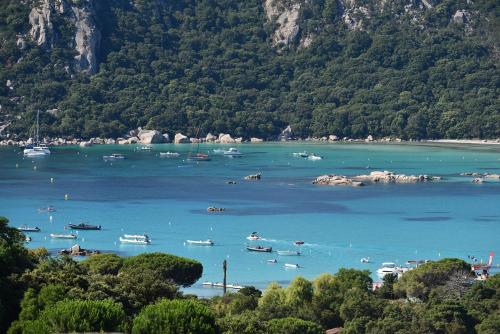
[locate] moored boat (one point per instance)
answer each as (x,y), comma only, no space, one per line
(114,156)
(50,208)
(365,260)
(261,249)
(63,236)
(291,265)
(301,154)
(25,228)
(272,261)
(299,242)
(207,242)
(137,236)
(169,154)
(83,226)
(136,241)
(198,157)
(288,253)
(36,149)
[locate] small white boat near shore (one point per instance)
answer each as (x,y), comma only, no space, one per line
(301,154)
(233,153)
(292,266)
(207,242)
(63,236)
(169,154)
(114,156)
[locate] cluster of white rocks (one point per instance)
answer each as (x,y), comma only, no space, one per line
(373,177)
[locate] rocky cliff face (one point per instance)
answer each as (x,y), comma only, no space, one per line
(288,19)
(86,39)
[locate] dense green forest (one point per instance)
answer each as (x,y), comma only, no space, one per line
(407,70)
(140,294)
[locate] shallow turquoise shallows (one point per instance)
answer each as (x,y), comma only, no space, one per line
(167,198)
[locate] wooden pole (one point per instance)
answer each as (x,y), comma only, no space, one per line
(224,267)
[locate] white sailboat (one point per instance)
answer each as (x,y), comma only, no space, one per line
(207,242)
(36,149)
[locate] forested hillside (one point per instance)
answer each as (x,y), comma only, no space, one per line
(411,69)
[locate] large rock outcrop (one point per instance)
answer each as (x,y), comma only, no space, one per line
(181,139)
(286,16)
(150,137)
(82,15)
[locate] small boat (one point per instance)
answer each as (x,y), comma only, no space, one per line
(261,249)
(233,153)
(27,239)
(83,226)
(301,154)
(63,236)
(272,261)
(314,157)
(169,154)
(207,242)
(254,236)
(50,208)
(114,156)
(146,148)
(25,228)
(198,157)
(365,260)
(291,265)
(219,151)
(215,209)
(299,242)
(288,253)
(137,236)
(136,241)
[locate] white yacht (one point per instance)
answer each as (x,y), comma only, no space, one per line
(36,149)
(114,156)
(388,268)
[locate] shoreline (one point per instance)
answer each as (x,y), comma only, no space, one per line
(110,141)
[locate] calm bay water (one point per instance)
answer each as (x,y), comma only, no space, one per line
(167,199)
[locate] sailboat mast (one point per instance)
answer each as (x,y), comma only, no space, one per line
(37,124)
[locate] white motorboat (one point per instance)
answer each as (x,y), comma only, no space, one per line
(288,253)
(272,261)
(137,236)
(365,260)
(24,228)
(301,154)
(146,148)
(63,236)
(207,242)
(36,149)
(291,265)
(114,156)
(136,241)
(254,236)
(218,151)
(169,154)
(314,157)
(233,152)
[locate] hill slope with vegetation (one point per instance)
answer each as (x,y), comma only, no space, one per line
(411,69)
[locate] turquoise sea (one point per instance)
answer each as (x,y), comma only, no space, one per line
(167,198)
